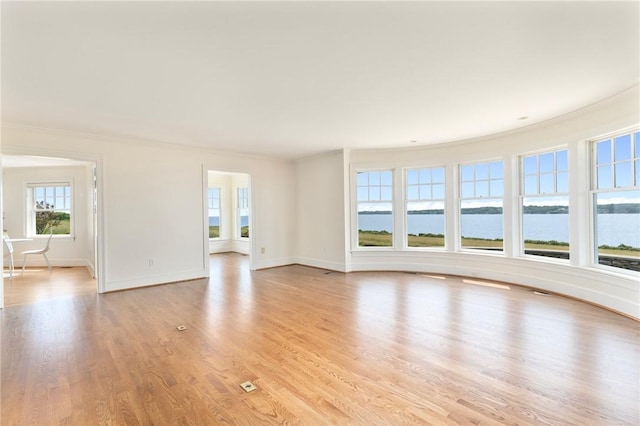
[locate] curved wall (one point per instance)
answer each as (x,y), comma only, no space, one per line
(577,278)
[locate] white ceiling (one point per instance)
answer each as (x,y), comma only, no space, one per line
(290,79)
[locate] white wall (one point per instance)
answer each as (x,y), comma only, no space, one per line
(152,203)
(321,239)
(618,291)
(65,251)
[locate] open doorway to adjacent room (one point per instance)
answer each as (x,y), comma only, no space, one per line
(229,219)
(48,198)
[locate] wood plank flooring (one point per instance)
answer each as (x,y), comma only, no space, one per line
(37,284)
(322,348)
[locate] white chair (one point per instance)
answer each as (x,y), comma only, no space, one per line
(42,251)
(8,253)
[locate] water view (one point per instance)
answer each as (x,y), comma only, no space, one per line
(613,229)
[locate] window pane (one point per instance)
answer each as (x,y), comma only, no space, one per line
(531,184)
(636,137)
(604,177)
(545,226)
(496,170)
(622,148)
(481,224)
(547,184)
(425,176)
(412,192)
(425,192)
(374,193)
(562,161)
(375,227)
(363,179)
(546,163)
(425,224)
(438,191)
(466,173)
(617,231)
(637,173)
(623,175)
(530,165)
(562,182)
(363,193)
(52,205)
(39,194)
(437,175)
(412,177)
(467,190)
(496,188)
(482,171)
(482,188)
(374,178)
(603,152)
(386,177)
(386,193)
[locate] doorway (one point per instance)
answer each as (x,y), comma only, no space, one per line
(64,191)
(229,215)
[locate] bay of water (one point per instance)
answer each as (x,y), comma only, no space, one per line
(215,221)
(613,229)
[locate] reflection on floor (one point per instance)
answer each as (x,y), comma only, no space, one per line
(37,284)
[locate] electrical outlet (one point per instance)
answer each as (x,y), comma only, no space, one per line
(152,262)
(248,386)
(262,250)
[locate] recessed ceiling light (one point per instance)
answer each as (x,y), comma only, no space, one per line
(523,117)
(413,141)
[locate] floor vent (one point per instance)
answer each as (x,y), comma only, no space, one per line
(248,386)
(540,293)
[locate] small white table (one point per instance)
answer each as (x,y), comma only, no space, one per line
(17,240)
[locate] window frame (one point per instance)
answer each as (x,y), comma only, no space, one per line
(461,198)
(539,193)
(407,200)
(219,209)
(356,234)
(30,187)
(594,190)
(242,204)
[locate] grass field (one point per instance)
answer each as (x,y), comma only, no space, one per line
(63,228)
(385,239)
(214,231)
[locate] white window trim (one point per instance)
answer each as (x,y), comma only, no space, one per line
(355,247)
(219,237)
(406,201)
(594,260)
(29,225)
(460,199)
(238,230)
(522,196)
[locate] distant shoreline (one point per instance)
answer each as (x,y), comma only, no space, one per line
(624,208)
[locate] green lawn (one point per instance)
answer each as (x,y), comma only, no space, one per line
(214,231)
(385,239)
(63,228)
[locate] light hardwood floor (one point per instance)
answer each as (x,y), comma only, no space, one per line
(37,284)
(322,348)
